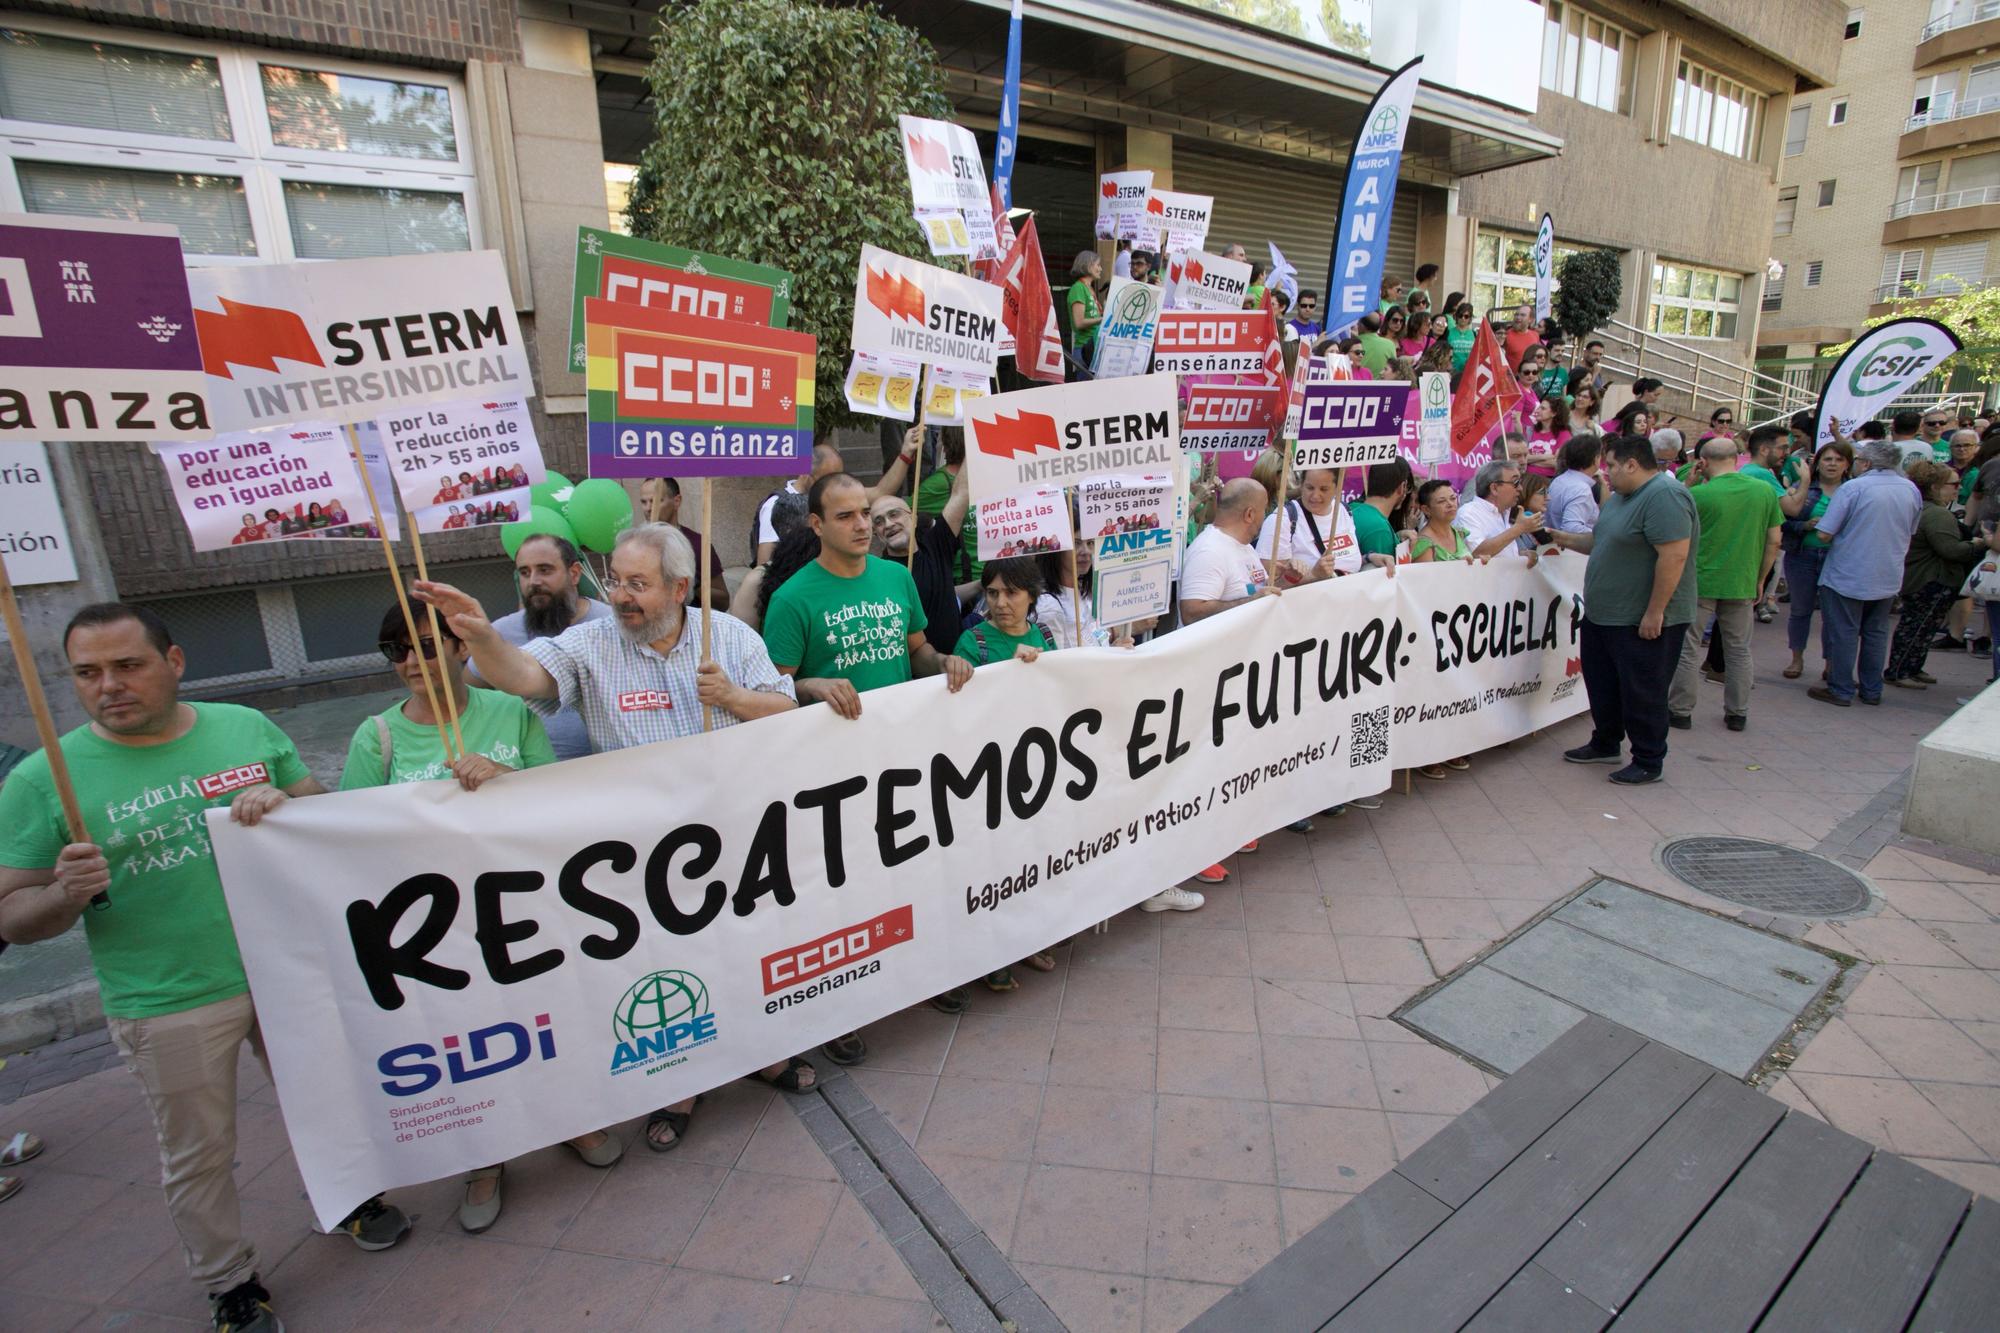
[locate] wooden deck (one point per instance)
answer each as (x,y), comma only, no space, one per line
(1613,1181)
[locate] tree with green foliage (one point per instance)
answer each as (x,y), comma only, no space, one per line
(1973,313)
(1592,286)
(778,144)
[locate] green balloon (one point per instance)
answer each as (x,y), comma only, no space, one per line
(552,491)
(540,520)
(598,510)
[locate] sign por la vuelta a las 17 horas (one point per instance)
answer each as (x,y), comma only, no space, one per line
(447,979)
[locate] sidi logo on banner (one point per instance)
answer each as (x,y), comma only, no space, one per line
(1066,432)
(481,1053)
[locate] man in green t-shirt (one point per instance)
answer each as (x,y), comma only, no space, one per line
(1388,487)
(1740,526)
(146,769)
(847,623)
(1638,597)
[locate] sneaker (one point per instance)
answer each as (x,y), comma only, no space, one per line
(1247,847)
(1300,826)
(1924,676)
(245,1308)
(1215,874)
(1175,899)
(1982,645)
(1947,642)
(1366,803)
(375,1225)
(1735,721)
(1826,696)
(1634,776)
(1680,721)
(1876,702)
(1333,812)
(1905,682)
(1590,754)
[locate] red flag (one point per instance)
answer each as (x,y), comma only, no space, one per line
(1029,308)
(1274,342)
(1485,388)
(988,270)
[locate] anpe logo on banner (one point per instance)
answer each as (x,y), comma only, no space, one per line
(660,1018)
(409,1070)
(659,287)
(645,701)
(858,943)
(1884,371)
(232,779)
(664,378)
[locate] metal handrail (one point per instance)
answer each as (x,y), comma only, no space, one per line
(1978,106)
(1938,203)
(1700,376)
(1979,13)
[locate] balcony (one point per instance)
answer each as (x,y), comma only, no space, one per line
(1943,214)
(1923,292)
(1952,126)
(1972,28)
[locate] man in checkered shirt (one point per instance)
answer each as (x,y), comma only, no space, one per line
(636,678)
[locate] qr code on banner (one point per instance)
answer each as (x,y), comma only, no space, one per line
(1368,739)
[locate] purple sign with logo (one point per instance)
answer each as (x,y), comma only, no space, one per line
(97,332)
(1351,423)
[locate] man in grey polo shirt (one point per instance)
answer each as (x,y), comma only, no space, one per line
(634,679)
(550,573)
(1869,525)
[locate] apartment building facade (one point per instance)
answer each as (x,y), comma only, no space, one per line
(1891,175)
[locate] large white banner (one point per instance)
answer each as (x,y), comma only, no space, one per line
(357,338)
(1064,433)
(905,308)
(448,979)
(1877,369)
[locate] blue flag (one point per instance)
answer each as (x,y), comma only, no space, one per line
(1354,269)
(1010,113)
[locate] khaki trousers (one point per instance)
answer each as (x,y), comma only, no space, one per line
(187,1063)
(1733,620)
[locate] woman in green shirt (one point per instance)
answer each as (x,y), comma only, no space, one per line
(1438,538)
(1464,330)
(1084,316)
(1011,587)
(1805,550)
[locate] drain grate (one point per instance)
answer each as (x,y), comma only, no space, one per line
(1766,875)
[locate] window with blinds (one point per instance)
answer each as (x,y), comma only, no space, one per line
(1957,268)
(1901,270)
(249,158)
(1716,110)
(1788,211)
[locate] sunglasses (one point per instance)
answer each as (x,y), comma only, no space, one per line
(396,650)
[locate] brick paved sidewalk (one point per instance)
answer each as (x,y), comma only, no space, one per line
(1150,1123)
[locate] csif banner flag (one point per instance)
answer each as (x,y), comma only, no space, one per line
(448,979)
(1545,266)
(1361,244)
(1881,366)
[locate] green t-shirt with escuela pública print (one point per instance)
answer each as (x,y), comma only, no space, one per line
(497,725)
(857,629)
(165,944)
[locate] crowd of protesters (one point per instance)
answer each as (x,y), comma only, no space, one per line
(856,588)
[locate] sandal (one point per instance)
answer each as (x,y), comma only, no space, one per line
(1795,670)
(677,1121)
(789,1080)
(1458,765)
(1765,615)
(9,1186)
(1041,962)
(21,1148)
(847,1050)
(952,1001)
(1435,772)
(1002,981)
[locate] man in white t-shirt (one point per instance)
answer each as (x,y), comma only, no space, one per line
(1222,568)
(1488,530)
(1312,537)
(783,510)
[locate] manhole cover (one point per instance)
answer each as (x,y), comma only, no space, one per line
(1765,875)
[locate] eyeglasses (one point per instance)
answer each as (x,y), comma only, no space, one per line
(396,650)
(637,587)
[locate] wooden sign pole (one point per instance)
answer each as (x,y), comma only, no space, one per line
(402,595)
(437,637)
(707,563)
(917,467)
(38,704)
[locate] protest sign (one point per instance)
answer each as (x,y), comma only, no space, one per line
(1027,523)
(883,386)
(1066,432)
(1229,416)
(1204,342)
(1434,431)
(1133,583)
(291,483)
(1878,368)
(1485,389)
(34,539)
(1121,200)
(97,333)
(907,308)
(1351,423)
(1174,222)
(688,946)
(1125,336)
(1545,261)
(355,338)
(1367,201)
(1202,281)
(462,456)
(948,185)
(611,266)
(682,396)
(949,392)
(1121,504)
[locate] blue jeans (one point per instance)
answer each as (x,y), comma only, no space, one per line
(1802,579)
(1854,633)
